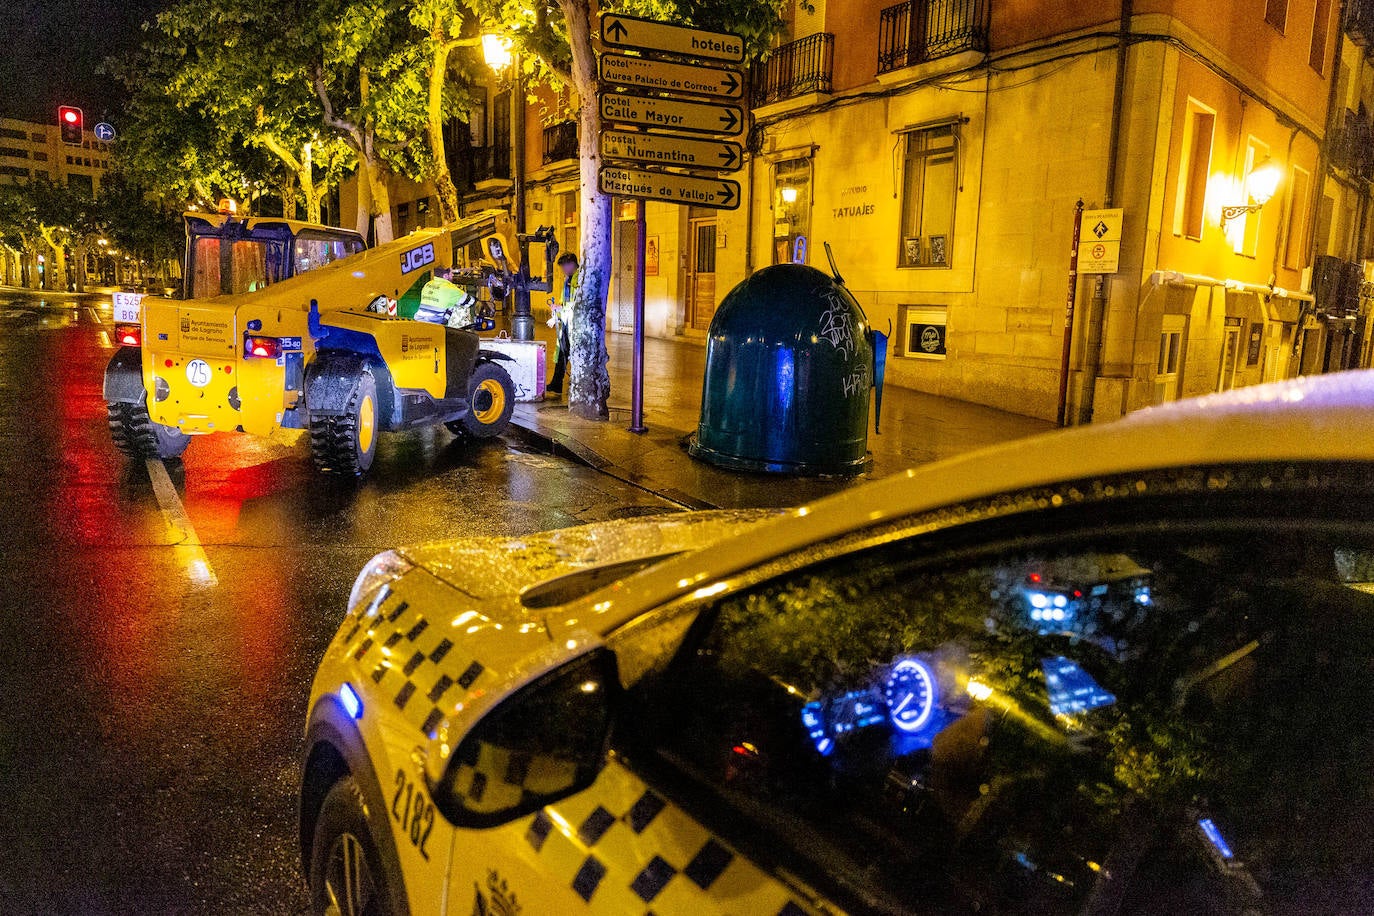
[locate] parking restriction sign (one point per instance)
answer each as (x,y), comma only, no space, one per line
(1099,248)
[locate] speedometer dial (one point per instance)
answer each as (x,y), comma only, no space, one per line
(910,694)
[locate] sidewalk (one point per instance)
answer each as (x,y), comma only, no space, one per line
(917,428)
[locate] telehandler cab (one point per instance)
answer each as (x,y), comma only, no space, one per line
(317,346)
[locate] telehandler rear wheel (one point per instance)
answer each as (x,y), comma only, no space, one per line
(136,435)
(491,398)
(345,445)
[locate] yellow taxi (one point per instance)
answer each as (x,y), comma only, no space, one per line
(1119,669)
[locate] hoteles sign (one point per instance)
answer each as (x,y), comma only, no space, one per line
(618,31)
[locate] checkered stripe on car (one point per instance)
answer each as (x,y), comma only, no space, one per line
(498,778)
(646,855)
(406,658)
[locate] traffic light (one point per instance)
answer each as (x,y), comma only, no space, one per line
(71,121)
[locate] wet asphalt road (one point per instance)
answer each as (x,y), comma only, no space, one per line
(152,694)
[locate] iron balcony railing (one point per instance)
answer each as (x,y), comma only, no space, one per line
(1359,23)
(918,31)
(560,142)
(490,162)
(1351,146)
(796,68)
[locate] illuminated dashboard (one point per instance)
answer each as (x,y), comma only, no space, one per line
(911,700)
(905,700)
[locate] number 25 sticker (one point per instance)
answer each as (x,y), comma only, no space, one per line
(198,373)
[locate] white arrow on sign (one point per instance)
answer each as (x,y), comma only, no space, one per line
(618,31)
(673,114)
(720,193)
(670,149)
(665,76)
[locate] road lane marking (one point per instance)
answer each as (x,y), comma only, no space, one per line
(105,340)
(95,315)
(188,549)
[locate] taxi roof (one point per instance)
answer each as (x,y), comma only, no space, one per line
(1313,418)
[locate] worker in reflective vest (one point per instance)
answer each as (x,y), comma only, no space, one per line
(562,317)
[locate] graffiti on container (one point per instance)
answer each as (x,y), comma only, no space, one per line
(836,326)
(855,382)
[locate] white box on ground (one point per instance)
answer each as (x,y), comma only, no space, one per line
(526,365)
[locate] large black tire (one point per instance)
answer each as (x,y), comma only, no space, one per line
(345,445)
(346,877)
(491,399)
(136,435)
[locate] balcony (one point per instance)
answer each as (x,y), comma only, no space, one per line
(1351,146)
(796,68)
(560,142)
(490,163)
(919,31)
(1359,23)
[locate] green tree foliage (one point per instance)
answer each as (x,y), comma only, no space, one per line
(18,232)
(213,93)
(319,87)
(53,220)
(135,223)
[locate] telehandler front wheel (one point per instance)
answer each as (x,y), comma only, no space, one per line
(136,435)
(491,398)
(345,445)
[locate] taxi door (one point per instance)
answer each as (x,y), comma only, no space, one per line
(619,847)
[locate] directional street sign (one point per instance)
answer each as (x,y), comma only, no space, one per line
(699,191)
(619,31)
(693,117)
(666,76)
(670,149)
(650,73)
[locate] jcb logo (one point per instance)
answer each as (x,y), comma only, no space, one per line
(416,258)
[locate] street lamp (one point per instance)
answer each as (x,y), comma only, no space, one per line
(497,51)
(1260,186)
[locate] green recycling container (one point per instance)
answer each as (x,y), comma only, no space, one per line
(789,373)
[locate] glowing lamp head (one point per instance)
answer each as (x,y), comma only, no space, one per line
(496,51)
(789,195)
(1263,181)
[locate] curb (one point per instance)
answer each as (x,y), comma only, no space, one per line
(559,445)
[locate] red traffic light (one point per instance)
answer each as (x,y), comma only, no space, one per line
(69,119)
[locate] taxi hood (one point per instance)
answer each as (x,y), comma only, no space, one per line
(555,567)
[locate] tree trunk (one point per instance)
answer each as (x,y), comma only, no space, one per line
(80,269)
(380,197)
(590,383)
(363,218)
(309,190)
(444,189)
(57,268)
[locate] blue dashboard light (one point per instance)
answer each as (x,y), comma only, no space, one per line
(910,695)
(352,703)
(1072,690)
(1213,834)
